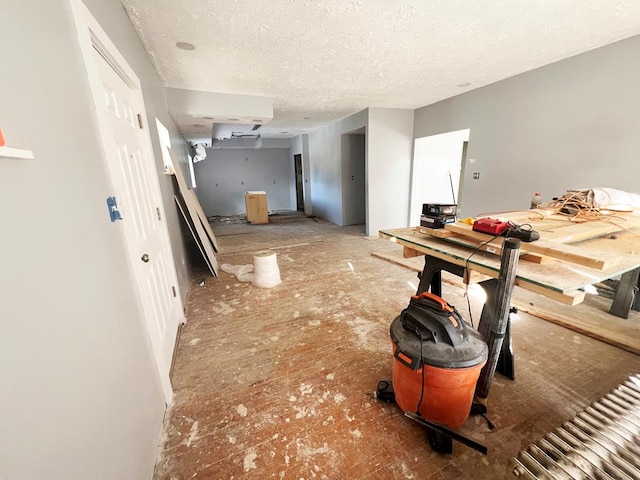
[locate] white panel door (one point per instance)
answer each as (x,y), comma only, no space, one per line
(139,202)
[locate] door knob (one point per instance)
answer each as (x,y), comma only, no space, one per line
(145,258)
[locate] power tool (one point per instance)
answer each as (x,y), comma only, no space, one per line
(437,215)
(492,226)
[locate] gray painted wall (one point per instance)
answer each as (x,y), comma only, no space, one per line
(389,149)
(80,396)
(574,123)
(221,175)
(325,161)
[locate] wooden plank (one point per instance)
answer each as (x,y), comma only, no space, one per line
(183,209)
(559,228)
(205,241)
(398,261)
(410,252)
(568,253)
(569,296)
(494,246)
(577,232)
(204,220)
(190,197)
(617,339)
(470,277)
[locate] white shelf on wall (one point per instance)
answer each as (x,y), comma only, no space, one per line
(7,152)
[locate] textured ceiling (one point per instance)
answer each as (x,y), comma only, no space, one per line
(322,60)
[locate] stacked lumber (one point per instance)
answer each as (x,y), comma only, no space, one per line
(558,236)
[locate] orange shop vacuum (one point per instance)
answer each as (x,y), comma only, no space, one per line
(436,364)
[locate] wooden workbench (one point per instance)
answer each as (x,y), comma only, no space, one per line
(568,257)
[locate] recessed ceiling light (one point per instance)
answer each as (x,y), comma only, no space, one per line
(198,125)
(306,118)
(284,132)
(208,118)
(463,84)
(234,119)
(185,46)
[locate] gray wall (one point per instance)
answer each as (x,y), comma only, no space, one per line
(221,175)
(574,123)
(80,395)
(389,144)
(325,161)
(389,149)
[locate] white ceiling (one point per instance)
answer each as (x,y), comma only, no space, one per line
(322,60)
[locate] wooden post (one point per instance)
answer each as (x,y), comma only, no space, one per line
(498,318)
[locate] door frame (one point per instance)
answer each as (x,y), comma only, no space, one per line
(346,185)
(462,160)
(297,167)
(91,36)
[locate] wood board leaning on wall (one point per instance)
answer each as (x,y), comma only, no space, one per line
(195,219)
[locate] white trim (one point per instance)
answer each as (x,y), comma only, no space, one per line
(192,172)
(92,37)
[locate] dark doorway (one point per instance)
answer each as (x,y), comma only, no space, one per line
(354,202)
(297,160)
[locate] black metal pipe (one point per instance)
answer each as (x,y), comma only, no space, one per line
(498,318)
(446,432)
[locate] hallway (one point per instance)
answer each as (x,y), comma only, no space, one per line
(280,383)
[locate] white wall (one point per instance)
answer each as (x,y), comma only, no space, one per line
(389,148)
(80,397)
(225,175)
(434,159)
(571,124)
(325,159)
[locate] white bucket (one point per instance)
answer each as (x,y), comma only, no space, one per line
(267,272)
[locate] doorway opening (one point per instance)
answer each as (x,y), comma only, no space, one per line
(437,171)
(354,181)
(297,161)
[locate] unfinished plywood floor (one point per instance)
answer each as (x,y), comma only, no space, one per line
(279,383)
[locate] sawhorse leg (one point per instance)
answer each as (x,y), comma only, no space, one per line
(626,297)
(431,276)
(506,361)
(497,317)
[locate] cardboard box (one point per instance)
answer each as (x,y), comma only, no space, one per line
(256,205)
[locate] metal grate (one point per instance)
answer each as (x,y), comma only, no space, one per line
(600,442)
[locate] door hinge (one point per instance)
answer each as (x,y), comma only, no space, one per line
(174,291)
(158,212)
(140,121)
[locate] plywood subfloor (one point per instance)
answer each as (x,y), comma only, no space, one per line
(279,383)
